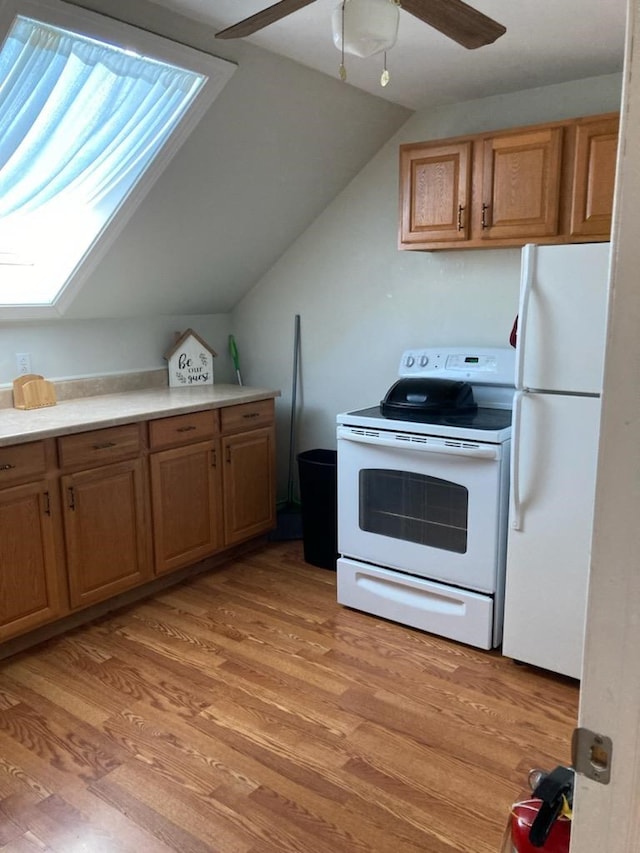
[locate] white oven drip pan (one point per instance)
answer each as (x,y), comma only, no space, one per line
(467,617)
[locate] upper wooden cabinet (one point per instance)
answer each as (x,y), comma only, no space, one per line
(436,192)
(549,183)
(594,176)
(521,184)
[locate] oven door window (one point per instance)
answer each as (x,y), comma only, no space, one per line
(414,508)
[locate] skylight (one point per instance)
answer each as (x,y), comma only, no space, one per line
(90,113)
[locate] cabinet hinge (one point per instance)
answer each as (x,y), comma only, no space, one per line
(591,755)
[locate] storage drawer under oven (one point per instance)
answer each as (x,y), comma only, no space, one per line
(467,617)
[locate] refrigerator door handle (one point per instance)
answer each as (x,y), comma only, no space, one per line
(516,504)
(526,286)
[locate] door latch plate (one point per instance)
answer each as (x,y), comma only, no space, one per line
(591,755)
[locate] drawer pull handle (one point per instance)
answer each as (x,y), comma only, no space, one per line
(214,459)
(185,429)
(72,497)
(105,445)
(6,467)
(252,415)
(485,220)
(47,503)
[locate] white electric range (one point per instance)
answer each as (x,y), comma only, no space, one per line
(422,495)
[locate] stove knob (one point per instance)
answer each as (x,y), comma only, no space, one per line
(424,360)
(410,361)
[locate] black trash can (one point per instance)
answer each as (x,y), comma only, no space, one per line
(317,470)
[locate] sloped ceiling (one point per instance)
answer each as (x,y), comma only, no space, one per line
(277,146)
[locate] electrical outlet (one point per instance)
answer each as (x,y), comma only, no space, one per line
(23,362)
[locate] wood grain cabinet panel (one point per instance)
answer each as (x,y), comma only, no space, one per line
(247,416)
(436,192)
(31,588)
(249,484)
(100,446)
(547,183)
(88,516)
(183,429)
(20,463)
(186,500)
(106,531)
(594,177)
(521,184)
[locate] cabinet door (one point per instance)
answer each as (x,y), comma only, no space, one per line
(249,484)
(185,498)
(594,178)
(30,587)
(106,531)
(435,193)
(521,184)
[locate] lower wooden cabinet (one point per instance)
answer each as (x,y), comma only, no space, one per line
(249,487)
(31,591)
(90,515)
(106,531)
(186,500)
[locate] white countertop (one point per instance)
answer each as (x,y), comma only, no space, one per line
(18,426)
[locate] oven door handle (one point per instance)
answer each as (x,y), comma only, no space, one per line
(482,451)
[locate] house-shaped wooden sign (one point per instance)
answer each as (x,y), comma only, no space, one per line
(190,361)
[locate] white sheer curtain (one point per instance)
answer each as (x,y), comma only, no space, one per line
(77,117)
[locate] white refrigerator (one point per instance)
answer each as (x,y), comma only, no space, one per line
(559,365)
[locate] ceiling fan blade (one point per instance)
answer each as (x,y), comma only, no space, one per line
(263,19)
(456,20)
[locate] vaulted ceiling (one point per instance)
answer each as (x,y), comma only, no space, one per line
(286,135)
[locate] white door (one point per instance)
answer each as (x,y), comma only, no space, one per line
(607,817)
(562,317)
(555,445)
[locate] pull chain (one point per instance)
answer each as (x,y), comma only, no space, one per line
(384,79)
(343,69)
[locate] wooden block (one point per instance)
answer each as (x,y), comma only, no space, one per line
(32,391)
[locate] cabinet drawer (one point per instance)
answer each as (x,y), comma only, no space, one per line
(247,416)
(22,462)
(183,429)
(100,446)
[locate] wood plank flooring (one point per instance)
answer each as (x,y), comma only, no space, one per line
(244,711)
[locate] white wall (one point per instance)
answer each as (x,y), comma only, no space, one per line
(362,301)
(75,348)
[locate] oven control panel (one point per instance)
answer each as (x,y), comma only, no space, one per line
(488,365)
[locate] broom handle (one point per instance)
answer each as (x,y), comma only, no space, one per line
(294,395)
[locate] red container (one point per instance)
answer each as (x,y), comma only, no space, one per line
(523,815)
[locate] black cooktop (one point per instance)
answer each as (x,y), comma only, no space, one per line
(482,418)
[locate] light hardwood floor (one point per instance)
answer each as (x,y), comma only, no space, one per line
(246,712)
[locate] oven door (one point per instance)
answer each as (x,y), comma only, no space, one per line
(430,506)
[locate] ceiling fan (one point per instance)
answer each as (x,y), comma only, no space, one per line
(453,18)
